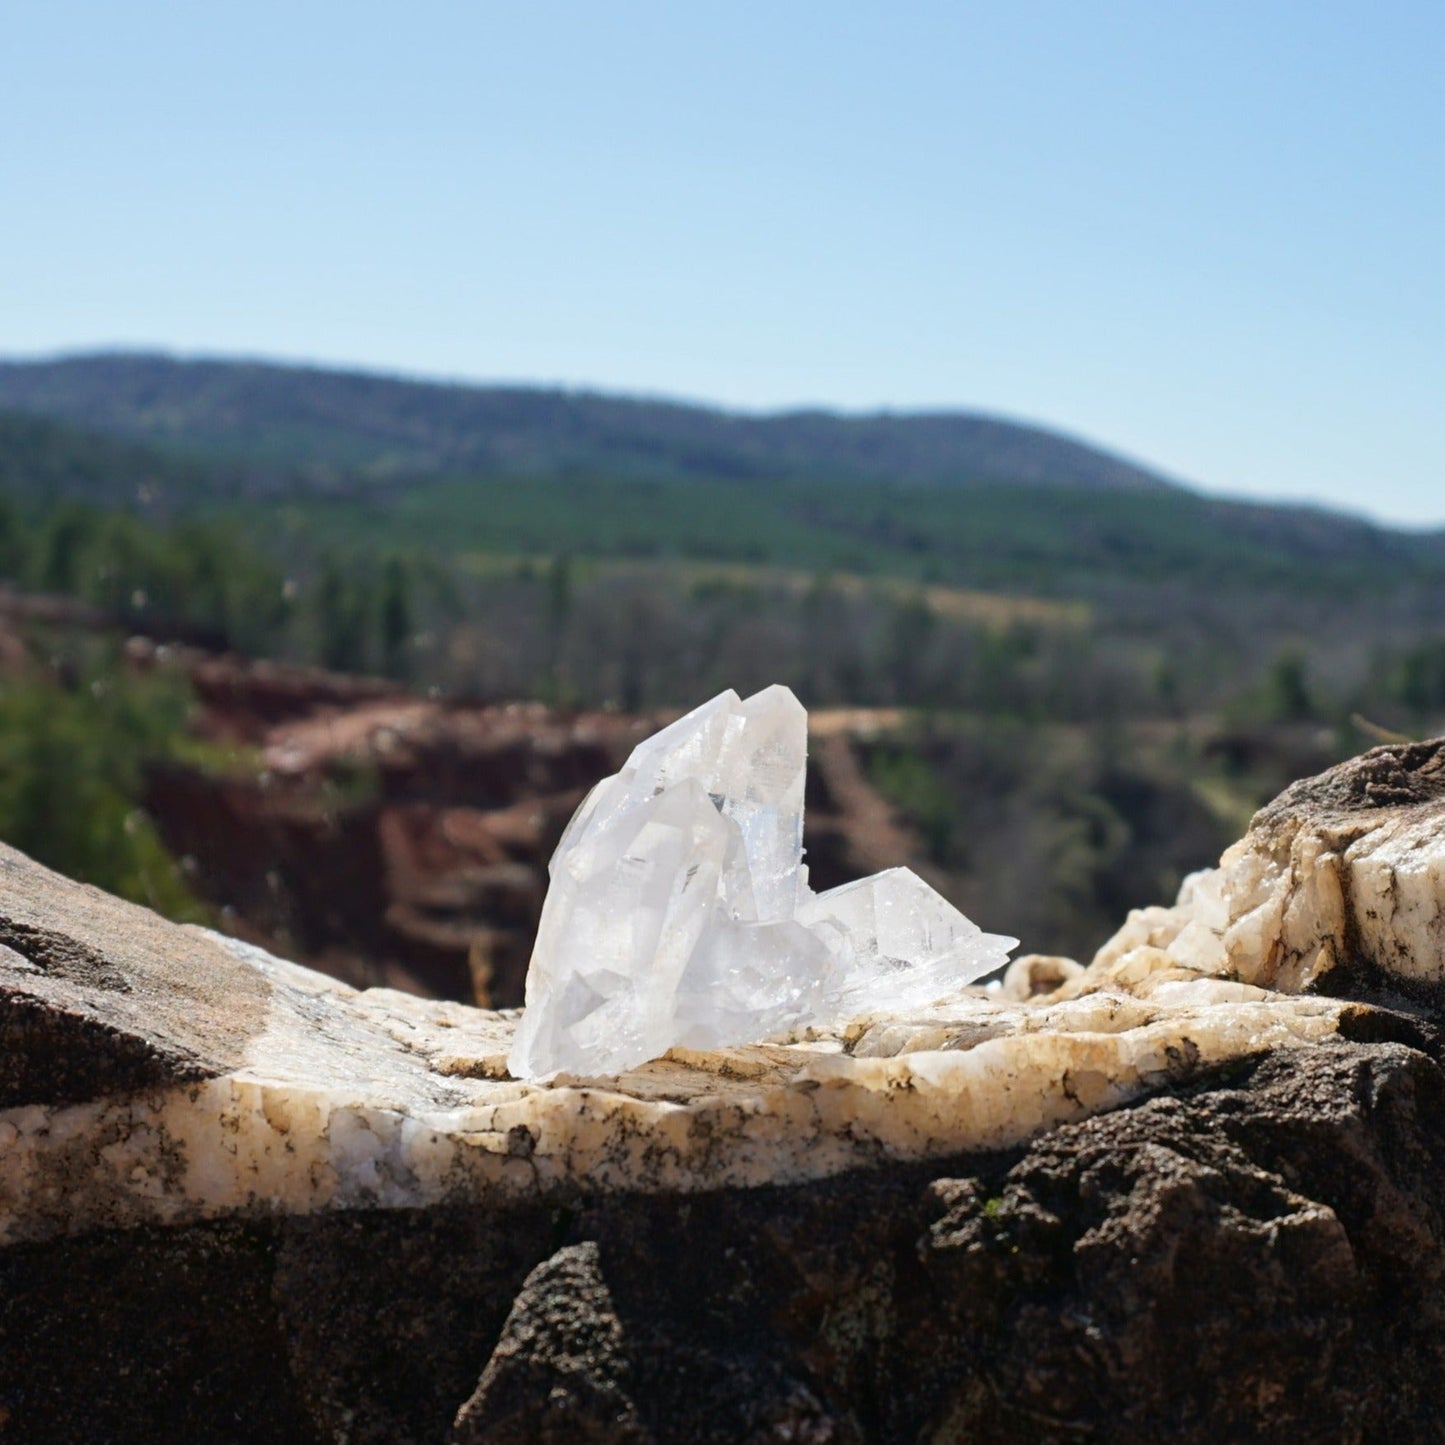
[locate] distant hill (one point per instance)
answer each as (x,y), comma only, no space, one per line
(42,460)
(374,463)
(331,427)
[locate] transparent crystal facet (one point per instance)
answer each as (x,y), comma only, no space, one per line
(679,911)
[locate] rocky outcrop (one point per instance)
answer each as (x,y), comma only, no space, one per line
(165,1075)
(1184,1193)
(101,999)
(1258,1258)
(1338,885)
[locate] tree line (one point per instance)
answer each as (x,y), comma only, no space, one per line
(591,632)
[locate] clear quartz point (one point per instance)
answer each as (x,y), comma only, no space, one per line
(679,911)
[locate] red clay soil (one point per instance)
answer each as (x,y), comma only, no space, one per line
(398,840)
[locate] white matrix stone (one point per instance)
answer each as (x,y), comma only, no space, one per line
(679,912)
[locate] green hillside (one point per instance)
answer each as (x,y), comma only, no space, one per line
(1046,539)
(370,463)
(43,460)
(336,428)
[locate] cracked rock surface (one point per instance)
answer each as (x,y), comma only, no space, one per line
(1195,1191)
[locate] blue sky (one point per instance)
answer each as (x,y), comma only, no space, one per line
(1209,235)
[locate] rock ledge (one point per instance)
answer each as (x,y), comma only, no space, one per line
(1192,1192)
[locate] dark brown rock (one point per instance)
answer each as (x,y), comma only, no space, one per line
(1260,1260)
(561,1371)
(385,1315)
(1260,1257)
(1399,775)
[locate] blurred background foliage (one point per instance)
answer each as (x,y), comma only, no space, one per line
(1077,693)
(75,739)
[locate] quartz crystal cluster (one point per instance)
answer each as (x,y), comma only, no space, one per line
(679,911)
